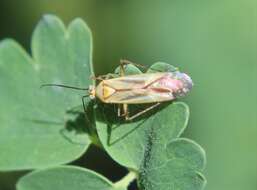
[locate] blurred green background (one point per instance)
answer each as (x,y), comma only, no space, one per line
(214,41)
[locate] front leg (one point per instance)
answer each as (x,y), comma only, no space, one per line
(104,77)
(124,62)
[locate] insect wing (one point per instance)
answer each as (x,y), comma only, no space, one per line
(138,96)
(134,89)
(133,81)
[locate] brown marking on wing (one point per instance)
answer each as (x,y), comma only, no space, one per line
(160,90)
(151,83)
(133,81)
(139,81)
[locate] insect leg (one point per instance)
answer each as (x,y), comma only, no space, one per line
(109,76)
(84,107)
(127,62)
(124,62)
(104,77)
(122,68)
(125,111)
(83,102)
(119,110)
(142,112)
(97,78)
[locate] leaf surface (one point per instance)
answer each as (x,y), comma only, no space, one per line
(65,177)
(34,122)
(177,166)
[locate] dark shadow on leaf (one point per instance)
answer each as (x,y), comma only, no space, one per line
(79,124)
(10,178)
(75,127)
(43,122)
(98,160)
(107,113)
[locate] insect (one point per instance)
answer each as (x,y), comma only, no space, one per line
(142,88)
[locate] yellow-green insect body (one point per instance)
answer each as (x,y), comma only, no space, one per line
(143,88)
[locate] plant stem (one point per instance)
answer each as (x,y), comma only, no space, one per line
(125,181)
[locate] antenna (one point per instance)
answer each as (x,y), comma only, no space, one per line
(63,86)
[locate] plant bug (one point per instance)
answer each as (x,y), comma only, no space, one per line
(144,88)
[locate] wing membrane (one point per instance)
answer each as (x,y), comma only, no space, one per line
(139,96)
(135,89)
(133,81)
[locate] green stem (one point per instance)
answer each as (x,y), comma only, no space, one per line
(125,181)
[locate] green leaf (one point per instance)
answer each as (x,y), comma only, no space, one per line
(151,147)
(37,125)
(176,166)
(162,67)
(65,177)
(127,142)
(129,70)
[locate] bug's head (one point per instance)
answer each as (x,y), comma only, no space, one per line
(91,91)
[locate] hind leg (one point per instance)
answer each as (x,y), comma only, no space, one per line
(124,62)
(142,112)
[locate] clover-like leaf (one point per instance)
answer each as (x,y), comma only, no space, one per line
(37,125)
(127,142)
(65,178)
(177,165)
(161,67)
